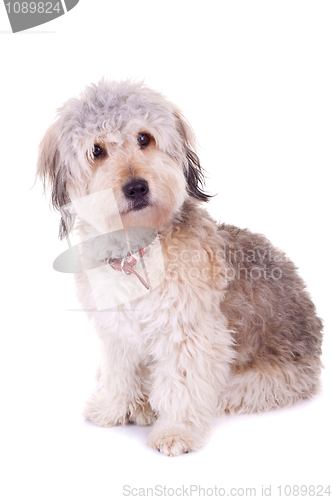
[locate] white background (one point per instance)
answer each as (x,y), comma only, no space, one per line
(255,81)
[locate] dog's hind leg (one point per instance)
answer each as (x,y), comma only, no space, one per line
(255,390)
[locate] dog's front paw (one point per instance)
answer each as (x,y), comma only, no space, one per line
(175,441)
(103,412)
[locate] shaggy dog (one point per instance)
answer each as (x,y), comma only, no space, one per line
(195,319)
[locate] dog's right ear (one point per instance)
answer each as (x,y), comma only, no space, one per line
(193,171)
(52,172)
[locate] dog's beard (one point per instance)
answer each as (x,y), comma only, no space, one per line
(136,206)
(147,215)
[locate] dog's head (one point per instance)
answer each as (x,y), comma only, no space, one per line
(127,138)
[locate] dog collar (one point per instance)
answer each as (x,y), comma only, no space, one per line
(126,264)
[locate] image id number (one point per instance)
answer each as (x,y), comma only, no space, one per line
(33,7)
(312,491)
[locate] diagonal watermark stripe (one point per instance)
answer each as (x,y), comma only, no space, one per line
(70,4)
(105,252)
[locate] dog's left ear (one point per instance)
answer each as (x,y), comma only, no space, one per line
(53,175)
(192,169)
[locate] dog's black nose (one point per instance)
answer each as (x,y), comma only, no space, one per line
(136,189)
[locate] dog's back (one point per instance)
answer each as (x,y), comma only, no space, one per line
(277,332)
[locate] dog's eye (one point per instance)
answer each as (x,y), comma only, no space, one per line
(98,151)
(143,140)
